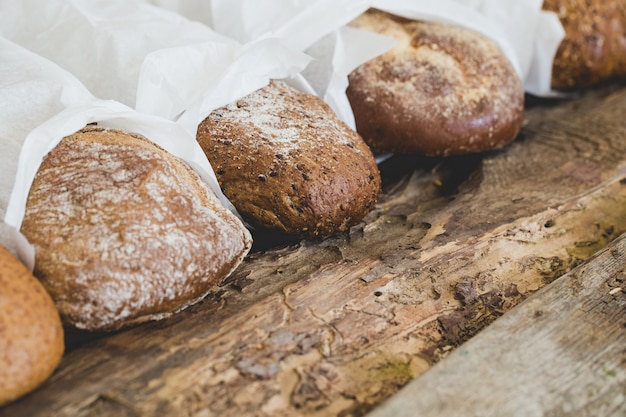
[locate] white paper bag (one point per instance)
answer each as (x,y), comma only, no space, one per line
(42,103)
(31,92)
(146,57)
(314,27)
(103,43)
(526,34)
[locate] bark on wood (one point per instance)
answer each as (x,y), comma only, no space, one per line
(559,353)
(335,327)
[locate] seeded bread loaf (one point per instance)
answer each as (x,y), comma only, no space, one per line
(594,47)
(442,90)
(288,163)
(124,232)
(31,335)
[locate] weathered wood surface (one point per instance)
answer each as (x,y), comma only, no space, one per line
(334,328)
(562,352)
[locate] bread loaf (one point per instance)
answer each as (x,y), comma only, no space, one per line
(442,90)
(288,163)
(31,335)
(594,47)
(124,232)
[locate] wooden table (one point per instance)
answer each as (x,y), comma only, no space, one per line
(338,327)
(562,352)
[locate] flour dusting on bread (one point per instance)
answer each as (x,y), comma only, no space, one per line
(124,232)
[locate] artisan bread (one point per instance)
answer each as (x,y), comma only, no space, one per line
(442,90)
(289,164)
(124,232)
(31,334)
(594,47)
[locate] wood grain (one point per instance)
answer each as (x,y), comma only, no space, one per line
(336,327)
(562,352)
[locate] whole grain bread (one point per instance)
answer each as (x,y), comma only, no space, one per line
(124,232)
(288,163)
(442,90)
(594,47)
(31,334)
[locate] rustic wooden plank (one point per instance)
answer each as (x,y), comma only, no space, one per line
(562,352)
(338,326)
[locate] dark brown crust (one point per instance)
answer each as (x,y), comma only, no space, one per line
(288,163)
(124,232)
(440,91)
(594,47)
(31,335)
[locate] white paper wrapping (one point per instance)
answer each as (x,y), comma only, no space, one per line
(31,91)
(40,104)
(146,57)
(300,23)
(336,55)
(251,68)
(526,34)
(103,43)
(163,64)
(316,28)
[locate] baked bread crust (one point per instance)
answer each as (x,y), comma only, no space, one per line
(31,334)
(594,47)
(442,90)
(124,232)
(288,163)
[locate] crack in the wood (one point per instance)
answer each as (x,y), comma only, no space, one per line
(112,398)
(305,391)
(334,331)
(283,298)
(390,320)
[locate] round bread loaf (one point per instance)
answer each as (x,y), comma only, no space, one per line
(124,232)
(288,163)
(442,90)
(594,47)
(31,334)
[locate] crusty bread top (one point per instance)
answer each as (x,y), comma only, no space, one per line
(287,162)
(31,335)
(594,47)
(124,232)
(441,90)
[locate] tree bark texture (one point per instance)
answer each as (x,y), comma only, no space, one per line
(338,326)
(559,353)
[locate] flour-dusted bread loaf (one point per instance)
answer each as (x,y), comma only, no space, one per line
(594,47)
(31,334)
(442,90)
(124,232)
(288,163)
